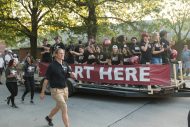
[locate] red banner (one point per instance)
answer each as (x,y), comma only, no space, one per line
(134,74)
(131,74)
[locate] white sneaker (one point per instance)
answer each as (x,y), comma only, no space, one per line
(184,74)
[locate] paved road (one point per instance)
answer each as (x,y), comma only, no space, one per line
(97,111)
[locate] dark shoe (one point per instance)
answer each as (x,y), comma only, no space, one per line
(22,99)
(8,100)
(49,121)
(14,106)
(1,83)
(32,102)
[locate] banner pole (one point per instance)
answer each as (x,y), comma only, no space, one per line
(175,75)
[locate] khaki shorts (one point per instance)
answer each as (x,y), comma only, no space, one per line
(60,96)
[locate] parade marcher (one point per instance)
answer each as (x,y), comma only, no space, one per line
(57,73)
(167,46)
(101,56)
(115,57)
(121,42)
(78,45)
(135,48)
(58,44)
(15,56)
(81,58)
(157,49)
(2,65)
(45,52)
(29,69)
(146,49)
(69,57)
(91,56)
(11,82)
(113,42)
(185,56)
(8,56)
(126,56)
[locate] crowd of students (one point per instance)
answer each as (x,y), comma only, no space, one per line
(150,49)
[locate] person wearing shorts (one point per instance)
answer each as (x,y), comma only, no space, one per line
(56,75)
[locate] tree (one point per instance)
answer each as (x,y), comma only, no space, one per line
(25,18)
(95,12)
(177,18)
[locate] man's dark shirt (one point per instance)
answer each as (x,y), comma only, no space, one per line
(57,74)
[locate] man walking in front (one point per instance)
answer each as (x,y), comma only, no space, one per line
(56,75)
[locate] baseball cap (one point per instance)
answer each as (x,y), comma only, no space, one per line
(9,51)
(115,46)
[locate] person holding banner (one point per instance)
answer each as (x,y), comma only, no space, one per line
(80,56)
(91,56)
(157,49)
(146,49)
(167,47)
(56,75)
(101,56)
(126,56)
(115,58)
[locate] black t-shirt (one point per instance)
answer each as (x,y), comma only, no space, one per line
(81,59)
(56,46)
(29,70)
(126,59)
(102,56)
(57,74)
(157,47)
(91,58)
(124,45)
(69,58)
(135,47)
(146,55)
(165,44)
(115,59)
(46,57)
(13,71)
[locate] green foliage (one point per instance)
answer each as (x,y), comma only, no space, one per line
(177,18)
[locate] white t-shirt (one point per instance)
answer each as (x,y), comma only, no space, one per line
(2,62)
(16,60)
(8,57)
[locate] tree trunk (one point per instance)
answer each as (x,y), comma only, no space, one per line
(33,44)
(91,21)
(34,32)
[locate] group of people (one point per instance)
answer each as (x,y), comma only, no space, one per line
(12,73)
(154,49)
(9,64)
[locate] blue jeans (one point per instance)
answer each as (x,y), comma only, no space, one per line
(156,60)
